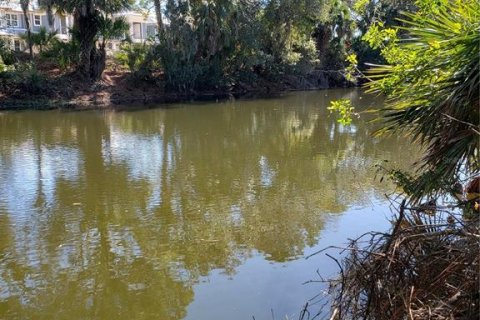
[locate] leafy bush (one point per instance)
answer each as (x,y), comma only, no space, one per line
(308,56)
(31,79)
(66,54)
(7,58)
(178,50)
(24,77)
(41,39)
(345,110)
(218,44)
(140,59)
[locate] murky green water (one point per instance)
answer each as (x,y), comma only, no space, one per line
(200,211)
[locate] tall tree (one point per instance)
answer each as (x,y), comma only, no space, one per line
(25,4)
(108,30)
(158,14)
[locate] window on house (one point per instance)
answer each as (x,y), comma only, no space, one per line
(12,20)
(137,31)
(110,46)
(37,20)
(16,45)
(151,31)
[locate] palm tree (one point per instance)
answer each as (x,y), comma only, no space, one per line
(42,38)
(432,85)
(108,29)
(87,16)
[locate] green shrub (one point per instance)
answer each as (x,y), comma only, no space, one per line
(66,54)
(140,59)
(23,77)
(7,57)
(132,55)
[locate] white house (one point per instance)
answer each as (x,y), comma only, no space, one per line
(12,24)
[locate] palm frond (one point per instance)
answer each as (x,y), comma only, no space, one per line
(433,90)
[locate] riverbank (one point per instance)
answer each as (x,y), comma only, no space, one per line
(119,88)
(425,267)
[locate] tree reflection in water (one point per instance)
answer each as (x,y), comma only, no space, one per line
(118,214)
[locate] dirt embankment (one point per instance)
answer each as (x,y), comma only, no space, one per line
(119,88)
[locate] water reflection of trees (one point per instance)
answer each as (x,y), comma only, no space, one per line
(119,214)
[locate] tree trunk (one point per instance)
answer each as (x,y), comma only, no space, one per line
(86,23)
(158,13)
(25,4)
(323,36)
(86,47)
(97,63)
(50,17)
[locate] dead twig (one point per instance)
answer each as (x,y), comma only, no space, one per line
(425,268)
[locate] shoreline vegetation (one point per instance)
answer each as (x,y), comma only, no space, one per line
(116,89)
(195,49)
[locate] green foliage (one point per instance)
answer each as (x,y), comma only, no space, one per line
(427,7)
(360,6)
(344,109)
(7,58)
(369,16)
(178,50)
(105,6)
(430,76)
(91,20)
(110,29)
(352,67)
(139,58)
(218,44)
(200,47)
(32,80)
(287,26)
(24,78)
(66,54)
(431,83)
(379,37)
(41,39)
(334,33)
(3,66)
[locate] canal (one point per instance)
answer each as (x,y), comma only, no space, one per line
(194,211)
